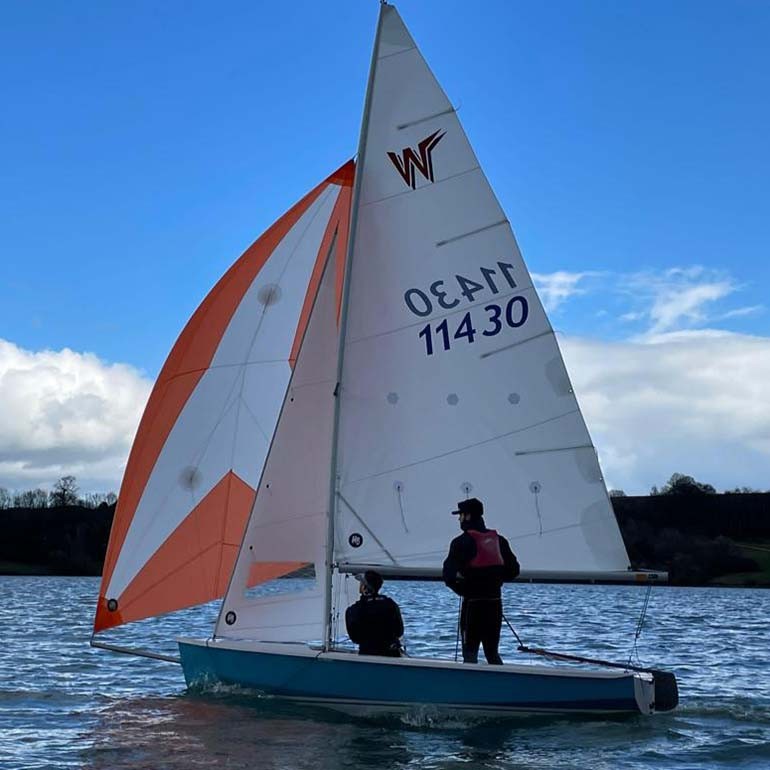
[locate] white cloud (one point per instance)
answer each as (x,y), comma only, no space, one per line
(695,402)
(742,312)
(556,288)
(655,301)
(678,297)
(674,398)
(677,304)
(63,412)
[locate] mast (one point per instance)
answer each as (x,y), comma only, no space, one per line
(342,329)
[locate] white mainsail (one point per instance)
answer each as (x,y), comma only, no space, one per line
(453,384)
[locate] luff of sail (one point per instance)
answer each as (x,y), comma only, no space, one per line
(194,466)
(453,384)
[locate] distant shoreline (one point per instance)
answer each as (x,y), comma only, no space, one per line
(703,540)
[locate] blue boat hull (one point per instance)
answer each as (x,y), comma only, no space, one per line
(344,679)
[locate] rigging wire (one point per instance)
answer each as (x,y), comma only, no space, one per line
(640,625)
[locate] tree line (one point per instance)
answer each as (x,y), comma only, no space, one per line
(681,484)
(64,492)
(685,528)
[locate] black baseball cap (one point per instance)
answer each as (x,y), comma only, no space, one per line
(474,507)
(371,580)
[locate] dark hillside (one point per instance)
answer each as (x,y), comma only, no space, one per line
(700,539)
(67,540)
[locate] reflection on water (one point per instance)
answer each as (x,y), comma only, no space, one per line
(65,705)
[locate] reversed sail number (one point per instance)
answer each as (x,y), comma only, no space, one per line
(515,315)
(421,303)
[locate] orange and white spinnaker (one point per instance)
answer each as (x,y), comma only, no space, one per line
(192,474)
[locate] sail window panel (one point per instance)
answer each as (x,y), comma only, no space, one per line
(302,576)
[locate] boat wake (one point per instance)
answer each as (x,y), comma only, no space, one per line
(741,709)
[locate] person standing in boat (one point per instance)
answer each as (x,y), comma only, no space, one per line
(478,564)
(374,622)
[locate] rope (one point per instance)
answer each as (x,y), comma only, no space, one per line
(640,625)
(457,640)
(579,658)
(513,631)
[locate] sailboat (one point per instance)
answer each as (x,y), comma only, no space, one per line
(377,354)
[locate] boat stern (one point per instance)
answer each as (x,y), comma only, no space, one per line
(656,691)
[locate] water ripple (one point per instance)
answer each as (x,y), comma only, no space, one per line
(65,705)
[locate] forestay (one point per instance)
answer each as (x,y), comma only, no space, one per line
(453,384)
(194,466)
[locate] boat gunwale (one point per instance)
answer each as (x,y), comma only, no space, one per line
(300,649)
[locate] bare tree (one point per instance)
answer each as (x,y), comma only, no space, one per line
(92,499)
(6,501)
(64,492)
(32,498)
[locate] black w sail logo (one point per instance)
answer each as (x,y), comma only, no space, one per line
(421,160)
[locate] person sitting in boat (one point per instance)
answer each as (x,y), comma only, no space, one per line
(478,564)
(374,622)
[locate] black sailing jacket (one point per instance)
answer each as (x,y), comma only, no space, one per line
(374,624)
(480,582)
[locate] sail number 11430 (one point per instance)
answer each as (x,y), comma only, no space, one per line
(440,296)
(514,315)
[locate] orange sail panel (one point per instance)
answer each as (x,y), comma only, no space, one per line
(194,466)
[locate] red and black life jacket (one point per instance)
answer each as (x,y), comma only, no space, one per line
(487,549)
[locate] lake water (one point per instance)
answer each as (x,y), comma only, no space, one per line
(66,705)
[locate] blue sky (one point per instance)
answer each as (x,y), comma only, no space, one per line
(144,146)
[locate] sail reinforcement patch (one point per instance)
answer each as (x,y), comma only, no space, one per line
(557,376)
(269,294)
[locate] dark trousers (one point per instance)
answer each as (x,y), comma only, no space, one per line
(480,622)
